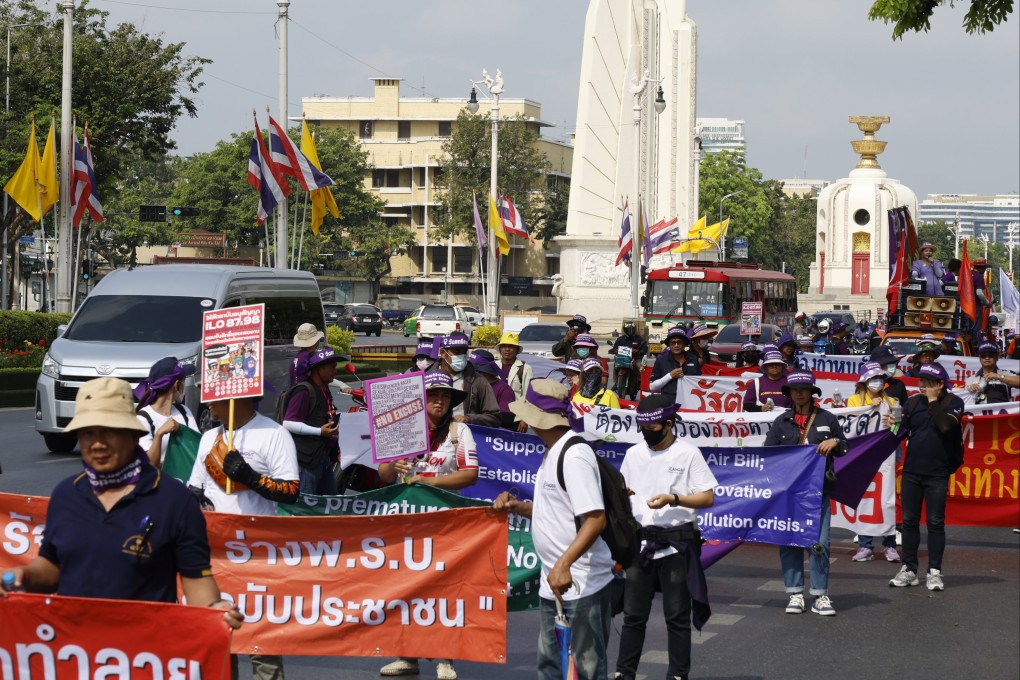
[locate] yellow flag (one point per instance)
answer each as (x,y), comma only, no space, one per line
(23,186)
(496,225)
(709,232)
(322,199)
(693,232)
(49,189)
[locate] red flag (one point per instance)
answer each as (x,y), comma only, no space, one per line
(899,275)
(968,302)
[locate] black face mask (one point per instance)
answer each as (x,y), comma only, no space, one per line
(592,384)
(655,437)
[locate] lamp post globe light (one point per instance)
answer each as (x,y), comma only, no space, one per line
(637,88)
(722,233)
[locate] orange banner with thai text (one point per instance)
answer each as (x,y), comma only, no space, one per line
(66,638)
(983,492)
(425,585)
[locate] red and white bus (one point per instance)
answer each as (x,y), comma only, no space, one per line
(712,292)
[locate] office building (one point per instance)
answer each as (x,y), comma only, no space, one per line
(722,134)
(979,215)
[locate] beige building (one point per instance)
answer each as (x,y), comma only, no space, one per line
(404,138)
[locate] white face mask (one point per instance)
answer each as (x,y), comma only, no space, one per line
(423,364)
(876,385)
(890,370)
(702,344)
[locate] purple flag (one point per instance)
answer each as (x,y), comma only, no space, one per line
(479,229)
(858,467)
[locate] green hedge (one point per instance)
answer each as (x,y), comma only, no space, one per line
(18,378)
(16,328)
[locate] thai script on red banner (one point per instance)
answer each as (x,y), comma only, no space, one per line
(67,638)
(425,585)
(232,352)
(983,492)
(22,521)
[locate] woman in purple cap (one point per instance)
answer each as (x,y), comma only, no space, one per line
(767,392)
(929,270)
(161,406)
(992,384)
(807,423)
(676,362)
(424,358)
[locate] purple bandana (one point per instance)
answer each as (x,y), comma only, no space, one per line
(148,390)
(127,475)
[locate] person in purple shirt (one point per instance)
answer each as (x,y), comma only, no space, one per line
(485,364)
(929,270)
(307,341)
(769,386)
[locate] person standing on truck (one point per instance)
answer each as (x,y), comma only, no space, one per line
(516,372)
(565,347)
(929,270)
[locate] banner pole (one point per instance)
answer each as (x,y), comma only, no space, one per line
(230,441)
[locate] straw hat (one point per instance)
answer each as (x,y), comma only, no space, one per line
(544,406)
(105,402)
(701,331)
(307,336)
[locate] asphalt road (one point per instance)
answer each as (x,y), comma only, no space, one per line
(972,630)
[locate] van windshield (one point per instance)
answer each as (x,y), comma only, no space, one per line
(138,318)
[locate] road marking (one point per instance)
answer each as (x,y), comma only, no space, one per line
(751,606)
(773,586)
(724,619)
(702,637)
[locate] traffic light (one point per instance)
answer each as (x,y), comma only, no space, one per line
(185,212)
(356,253)
(152,213)
(86,271)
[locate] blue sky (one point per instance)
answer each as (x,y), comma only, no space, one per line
(792,69)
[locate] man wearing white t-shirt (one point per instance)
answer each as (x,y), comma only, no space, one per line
(576,564)
(670,481)
(262,469)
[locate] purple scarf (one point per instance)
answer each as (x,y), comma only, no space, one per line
(127,475)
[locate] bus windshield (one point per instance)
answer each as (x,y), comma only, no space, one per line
(686,298)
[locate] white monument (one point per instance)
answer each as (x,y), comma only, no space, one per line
(852,238)
(627,43)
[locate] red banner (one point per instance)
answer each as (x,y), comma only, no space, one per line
(395,585)
(57,638)
(983,492)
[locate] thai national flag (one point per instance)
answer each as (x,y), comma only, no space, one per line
(262,176)
(662,234)
(291,162)
(625,236)
(84,192)
(513,223)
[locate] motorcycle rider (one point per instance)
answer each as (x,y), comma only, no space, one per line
(799,325)
(639,348)
(837,343)
(821,337)
(862,338)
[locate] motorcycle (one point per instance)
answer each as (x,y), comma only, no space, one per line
(623,370)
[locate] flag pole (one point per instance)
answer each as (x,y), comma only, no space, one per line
(301,245)
(293,235)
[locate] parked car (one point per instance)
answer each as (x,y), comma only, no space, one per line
(435,320)
(331,310)
(361,318)
(726,345)
(475,317)
(538,338)
(411,323)
(546,309)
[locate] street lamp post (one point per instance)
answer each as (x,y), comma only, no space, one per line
(7,108)
(984,239)
(1011,232)
(494,86)
(956,234)
(637,88)
(722,234)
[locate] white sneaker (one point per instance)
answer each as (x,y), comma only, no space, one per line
(445,671)
(796,604)
(401,667)
(823,606)
(934,580)
(904,578)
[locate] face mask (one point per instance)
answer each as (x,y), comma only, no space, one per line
(458,362)
(654,437)
(592,384)
(583,352)
(423,364)
(876,385)
(703,343)
(890,370)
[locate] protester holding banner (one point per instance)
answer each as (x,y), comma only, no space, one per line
(516,372)
(259,472)
(480,407)
(894,387)
(669,480)
(807,423)
(591,390)
(701,337)
(870,391)
(451,464)
(121,530)
(576,563)
(307,341)
(992,384)
(161,408)
(424,358)
(931,421)
(677,361)
(769,386)
(312,420)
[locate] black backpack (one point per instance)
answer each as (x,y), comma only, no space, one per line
(622,533)
(284,399)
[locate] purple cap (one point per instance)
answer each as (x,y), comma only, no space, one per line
(750,347)
(677,332)
(323,356)
(869,370)
(162,375)
(800,379)
(934,371)
(579,320)
(838,326)
(988,348)
(585,340)
(591,363)
(426,348)
(572,365)
(455,341)
(773,357)
(769,347)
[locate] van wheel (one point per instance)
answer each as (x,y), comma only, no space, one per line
(59,443)
(368,334)
(378,333)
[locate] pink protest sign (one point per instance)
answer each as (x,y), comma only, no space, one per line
(396,416)
(232,353)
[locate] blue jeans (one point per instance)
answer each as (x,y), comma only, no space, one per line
(916,490)
(318,479)
(590,620)
(791,559)
(669,575)
(869,541)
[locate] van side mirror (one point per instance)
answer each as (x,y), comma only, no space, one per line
(61,329)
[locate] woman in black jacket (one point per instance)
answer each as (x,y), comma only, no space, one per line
(807,423)
(676,362)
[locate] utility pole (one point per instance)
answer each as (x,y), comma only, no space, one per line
(280,256)
(63,268)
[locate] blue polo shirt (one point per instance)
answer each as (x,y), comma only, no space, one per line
(132,552)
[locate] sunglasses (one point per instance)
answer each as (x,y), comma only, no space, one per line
(988,356)
(674,341)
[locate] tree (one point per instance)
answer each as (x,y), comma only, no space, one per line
(915,15)
(751,210)
(465,170)
(791,236)
(551,214)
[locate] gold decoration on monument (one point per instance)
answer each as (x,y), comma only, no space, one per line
(862,242)
(869,148)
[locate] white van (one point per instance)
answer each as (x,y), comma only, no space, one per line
(134,317)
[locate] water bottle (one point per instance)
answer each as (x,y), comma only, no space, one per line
(897,418)
(837,398)
(770,403)
(8,583)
